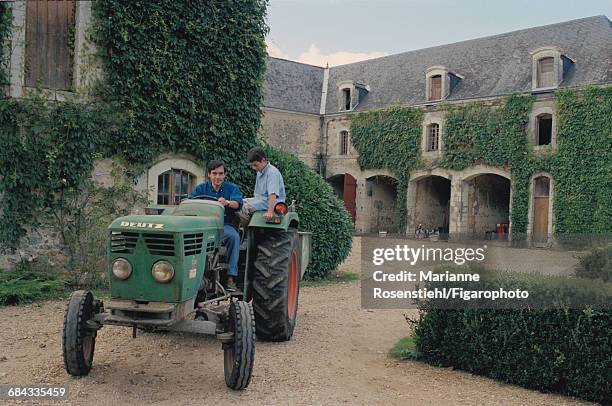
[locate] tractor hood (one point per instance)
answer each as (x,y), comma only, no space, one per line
(166,223)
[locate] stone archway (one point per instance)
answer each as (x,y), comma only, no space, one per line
(381,198)
(486,202)
(429,201)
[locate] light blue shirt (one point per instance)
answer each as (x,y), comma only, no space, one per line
(269,181)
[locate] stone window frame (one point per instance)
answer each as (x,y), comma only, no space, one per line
(83,75)
(435,71)
(533,128)
(548,52)
(425,137)
(551,202)
(167,163)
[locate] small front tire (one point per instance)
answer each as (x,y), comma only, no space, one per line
(78,342)
(238,356)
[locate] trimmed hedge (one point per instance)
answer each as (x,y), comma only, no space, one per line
(565,350)
(320,211)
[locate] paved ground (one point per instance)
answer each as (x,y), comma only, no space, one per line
(339,355)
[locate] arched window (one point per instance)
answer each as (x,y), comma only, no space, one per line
(344,141)
(433,137)
(174,185)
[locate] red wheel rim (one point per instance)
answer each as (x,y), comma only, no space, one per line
(292,286)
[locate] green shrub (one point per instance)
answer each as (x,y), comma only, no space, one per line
(320,211)
(559,349)
(29,282)
(596,265)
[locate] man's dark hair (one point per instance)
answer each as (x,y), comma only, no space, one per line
(256,154)
(214,164)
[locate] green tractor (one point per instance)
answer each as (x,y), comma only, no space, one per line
(167,271)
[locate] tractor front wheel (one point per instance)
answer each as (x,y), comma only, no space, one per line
(238,356)
(78,342)
(276,285)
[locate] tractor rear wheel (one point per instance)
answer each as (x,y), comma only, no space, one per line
(238,356)
(78,342)
(276,285)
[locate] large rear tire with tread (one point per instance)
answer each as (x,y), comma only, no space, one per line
(78,342)
(238,356)
(276,285)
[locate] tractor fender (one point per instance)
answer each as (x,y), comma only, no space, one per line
(289,220)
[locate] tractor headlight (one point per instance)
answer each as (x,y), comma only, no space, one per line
(162,271)
(122,268)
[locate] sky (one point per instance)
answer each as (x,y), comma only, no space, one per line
(344,31)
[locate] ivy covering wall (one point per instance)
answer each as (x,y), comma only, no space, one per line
(187,75)
(582,167)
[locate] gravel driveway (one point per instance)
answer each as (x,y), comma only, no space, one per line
(339,355)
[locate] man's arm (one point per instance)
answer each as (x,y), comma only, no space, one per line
(235,199)
(271,202)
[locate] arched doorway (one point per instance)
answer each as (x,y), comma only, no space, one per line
(430,203)
(345,187)
(381,192)
(541,209)
(486,204)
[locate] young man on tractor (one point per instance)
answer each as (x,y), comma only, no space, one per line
(269,187)
(230,196)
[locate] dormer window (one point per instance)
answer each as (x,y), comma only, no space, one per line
(440,82)
(350,94)
(346,98)
(550,67)
(435,89)
(546,72)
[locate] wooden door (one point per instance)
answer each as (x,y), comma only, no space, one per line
(541,201)
(350,195)
(49,43)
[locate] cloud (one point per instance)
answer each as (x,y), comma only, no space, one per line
(314,56)
(274,50)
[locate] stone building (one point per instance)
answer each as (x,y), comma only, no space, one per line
(307,111)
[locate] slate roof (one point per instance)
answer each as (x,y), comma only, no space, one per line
(293,86)
(490,66)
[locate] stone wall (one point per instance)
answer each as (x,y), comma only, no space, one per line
(297,133)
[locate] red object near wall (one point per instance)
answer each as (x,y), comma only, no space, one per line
(350,195)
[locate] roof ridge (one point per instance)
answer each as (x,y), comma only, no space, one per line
(599,16)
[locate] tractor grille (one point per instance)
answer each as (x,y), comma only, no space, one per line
(210,247)
(160,244)
(123,242)
(193,243)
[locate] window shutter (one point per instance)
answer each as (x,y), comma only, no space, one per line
(435,88)
(49,43)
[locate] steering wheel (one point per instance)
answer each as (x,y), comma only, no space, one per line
(205,197)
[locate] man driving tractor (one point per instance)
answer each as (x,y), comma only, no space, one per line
(230,196)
